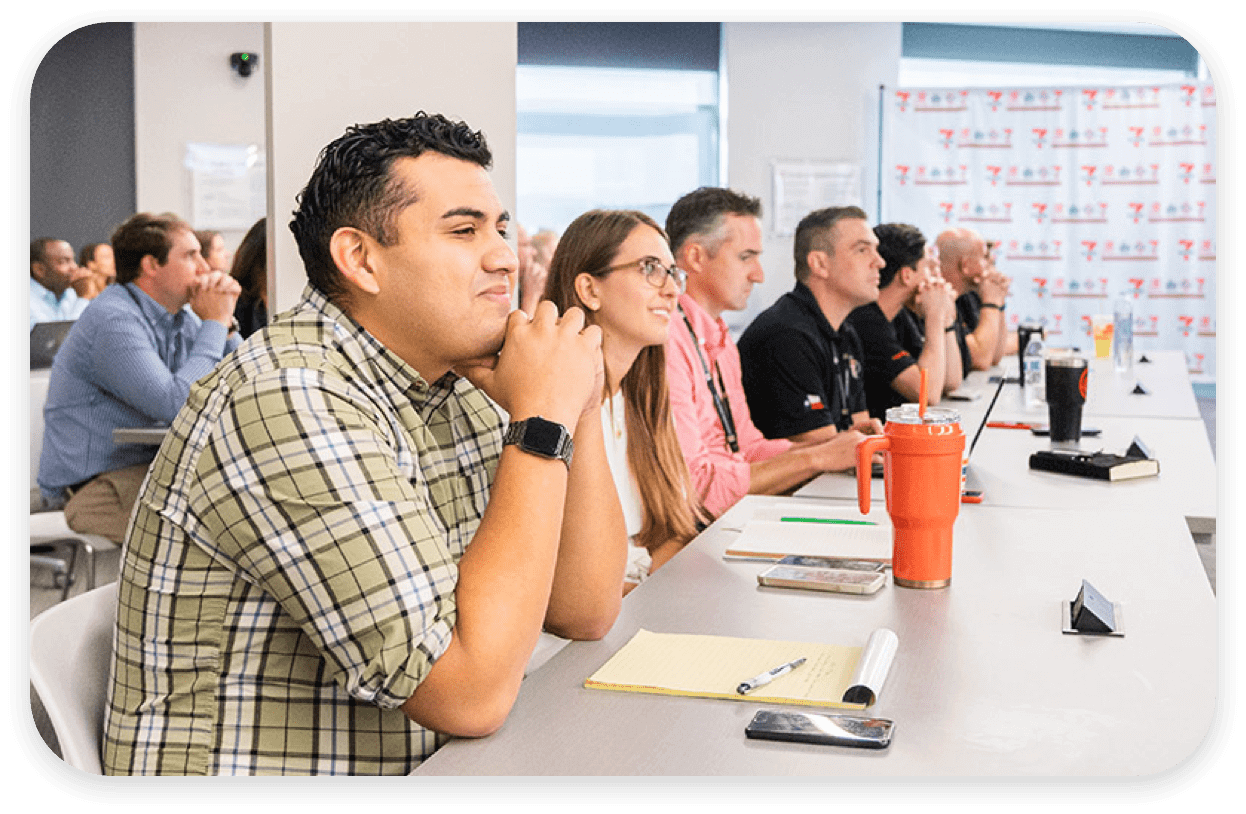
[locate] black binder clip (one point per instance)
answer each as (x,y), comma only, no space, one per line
(1139,390)
(1091,613)
(1144,360)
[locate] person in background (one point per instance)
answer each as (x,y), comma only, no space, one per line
(617,266)
(715,236)
(544,243)
(981,292)
(53,273)
(129,361)
(97,261)
(802,365)
(250,270)
(344,555)
(532,273)
(912,326)
(214,252)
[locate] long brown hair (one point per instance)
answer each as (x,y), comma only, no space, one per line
(672,509)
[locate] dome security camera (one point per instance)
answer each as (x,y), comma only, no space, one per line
(244,62)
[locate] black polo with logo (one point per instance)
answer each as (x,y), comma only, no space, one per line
(800,374)
(891,347)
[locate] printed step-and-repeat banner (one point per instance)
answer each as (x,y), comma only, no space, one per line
(1089,193)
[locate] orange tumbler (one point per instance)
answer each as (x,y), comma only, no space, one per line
(921,475)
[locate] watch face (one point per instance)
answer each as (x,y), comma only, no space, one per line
(542,435)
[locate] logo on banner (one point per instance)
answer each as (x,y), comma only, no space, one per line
(902,174)
(989,138)
(1035,100)
(1205,326)
(1089,288)
(945,138)
(1137,283)
(1088,173)
(1179,136)
(1207,250)
(1186,172)
(1135,211)
(1034,250)
(1187,95)
(1122,98)
(1208,176)
(1039,211)
(1088,249)
(1209,96)
(1080,138)
(1045,175)
(1142,174)
(942,176)
(1088,98)
(992,174)
(941,101)
(1038,137)
(1086,213)
(1185,323)
(1185,248)
(1173,289)
(994,97)
(989,213)
(1146,325)
(1184,212)
(1197,367)
(945,207)
(1136,137)
(1040,286)
(902,100)
(1125,250)
(1057,323)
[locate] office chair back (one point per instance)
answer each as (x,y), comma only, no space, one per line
(70,654)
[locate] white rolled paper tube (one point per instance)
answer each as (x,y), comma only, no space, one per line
(873,667)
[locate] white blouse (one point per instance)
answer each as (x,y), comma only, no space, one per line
(614,430)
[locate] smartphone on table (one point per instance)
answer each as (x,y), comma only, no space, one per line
(829,730)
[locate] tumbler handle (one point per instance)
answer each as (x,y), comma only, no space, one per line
(865,451)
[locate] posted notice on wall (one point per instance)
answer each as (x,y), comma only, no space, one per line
(227,185)
(800,187)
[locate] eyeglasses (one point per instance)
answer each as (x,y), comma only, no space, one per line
(655,273)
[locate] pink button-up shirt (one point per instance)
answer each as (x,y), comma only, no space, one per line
(720,476)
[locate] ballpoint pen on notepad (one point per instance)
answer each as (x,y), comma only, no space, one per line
(768,676)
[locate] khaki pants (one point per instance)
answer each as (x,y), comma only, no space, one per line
(104,504)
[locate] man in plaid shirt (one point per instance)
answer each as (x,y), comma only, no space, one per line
(338,558)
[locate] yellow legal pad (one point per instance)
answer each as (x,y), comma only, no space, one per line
(713,666)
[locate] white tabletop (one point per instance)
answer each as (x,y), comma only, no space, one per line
(1186,484)
(1110,393)
(984,682)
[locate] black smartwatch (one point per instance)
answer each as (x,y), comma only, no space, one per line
(542,437)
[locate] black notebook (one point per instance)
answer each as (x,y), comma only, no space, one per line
(1135,463)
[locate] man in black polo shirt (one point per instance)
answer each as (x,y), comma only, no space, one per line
(981,291)
(801,364)
(912,326)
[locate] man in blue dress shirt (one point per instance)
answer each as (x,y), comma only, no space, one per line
(129,361)
(52,274)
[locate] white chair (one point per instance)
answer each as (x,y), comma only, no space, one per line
(70,653)
(49,530)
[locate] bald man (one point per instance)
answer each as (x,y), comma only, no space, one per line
(981,293)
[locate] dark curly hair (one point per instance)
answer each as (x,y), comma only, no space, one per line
(352,185)
(901,246)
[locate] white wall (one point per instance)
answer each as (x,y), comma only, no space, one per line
(185,91)
(801,91)
(794,91)
(325,77)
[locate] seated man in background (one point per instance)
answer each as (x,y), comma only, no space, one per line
(53,273)
(980,295)
(802,364)
(212,244)
(911,328)
(339,557)
(715,237)
(129,361)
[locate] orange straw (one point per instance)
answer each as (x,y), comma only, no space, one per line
(921,396)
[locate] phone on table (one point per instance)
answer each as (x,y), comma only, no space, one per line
(835,580)
(830,730)
(806,561)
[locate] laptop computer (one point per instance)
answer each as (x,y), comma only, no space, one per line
(45,341)
(972,482)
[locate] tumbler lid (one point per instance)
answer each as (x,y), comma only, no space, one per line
(1067,360)
(909,414)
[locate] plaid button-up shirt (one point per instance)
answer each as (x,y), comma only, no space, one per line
(289,574)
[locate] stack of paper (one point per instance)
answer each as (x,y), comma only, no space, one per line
(817,529)
(713,666)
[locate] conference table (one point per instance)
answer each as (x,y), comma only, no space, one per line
(1187,481)
(985,682)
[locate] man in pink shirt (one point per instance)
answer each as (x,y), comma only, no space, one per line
(715,236)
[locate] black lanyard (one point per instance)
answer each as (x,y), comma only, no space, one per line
(720,400)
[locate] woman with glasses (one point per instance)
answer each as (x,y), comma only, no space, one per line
(617,266)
